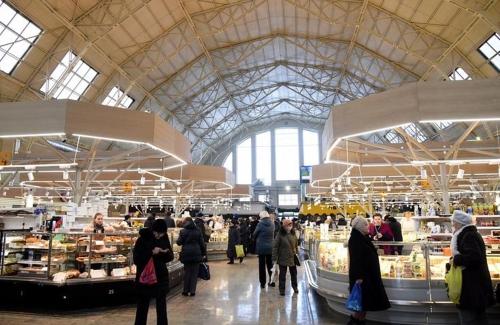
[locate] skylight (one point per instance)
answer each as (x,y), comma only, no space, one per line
(442,125)
(17,35)
(70,79)
(416,132)
(459,74)
(491,50)
(393,137)
(117,97)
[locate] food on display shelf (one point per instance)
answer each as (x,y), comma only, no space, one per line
(121,271)
(105,250)
(60,277)
(333,257)
(54,258)
(84,275)
(97,274)
(219,236)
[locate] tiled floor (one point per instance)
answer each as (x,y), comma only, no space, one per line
(232,296)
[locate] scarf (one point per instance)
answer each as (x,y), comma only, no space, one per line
(454,240)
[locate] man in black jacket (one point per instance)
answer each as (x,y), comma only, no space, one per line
(469,252)
(169,221)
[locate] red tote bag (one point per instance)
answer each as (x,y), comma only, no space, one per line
(148,275)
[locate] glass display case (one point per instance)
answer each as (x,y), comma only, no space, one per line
(217,244)
(412,272)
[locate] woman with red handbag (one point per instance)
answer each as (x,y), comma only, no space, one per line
(152,252)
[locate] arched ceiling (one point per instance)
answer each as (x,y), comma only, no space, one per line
(215,68)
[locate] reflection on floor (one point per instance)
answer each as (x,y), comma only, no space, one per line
(232,296)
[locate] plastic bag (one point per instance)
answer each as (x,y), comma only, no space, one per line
(204,271)
(274,273)
(355,301)
(453,279)
(148,275)
(240,252)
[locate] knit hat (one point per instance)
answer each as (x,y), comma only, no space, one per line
(263,214)
(359,222)
(461,217)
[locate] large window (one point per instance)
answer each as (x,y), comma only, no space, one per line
(287,154)
(17,35)
(70,79)
(491,50)
(263,157)
(415,131)
(228,163)
(244,162)
(311,148)
(280,143)
(288,200)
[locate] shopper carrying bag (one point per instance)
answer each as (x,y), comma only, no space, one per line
(152,252)
(453,279)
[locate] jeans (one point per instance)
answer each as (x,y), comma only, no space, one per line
(472,317)
(265,260)
(293,277)
(191,277)
(145,294)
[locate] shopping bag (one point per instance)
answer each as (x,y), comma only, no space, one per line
(355,301)
(240,252)
(453,279)
(274,273)
(148,275)
(296,260)
(204,271)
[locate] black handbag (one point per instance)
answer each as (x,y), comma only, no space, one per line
(204,271)
(296,260)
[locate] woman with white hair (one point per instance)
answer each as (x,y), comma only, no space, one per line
(364,269)
(264,235)
(469,252)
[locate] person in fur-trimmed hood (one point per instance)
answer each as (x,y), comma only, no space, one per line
(469,252)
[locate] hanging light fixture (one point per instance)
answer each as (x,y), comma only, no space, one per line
(65,174)
(155,193)
(162,186)
(143,180)
(31,177)
(423,173)
(178,189)
(460,174)
(348,181)
(365,189)
(339,187)
(333,191)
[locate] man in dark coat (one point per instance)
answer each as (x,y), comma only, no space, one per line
(469,252)
(201,226)
(244,235)
(364,268)
(253,225)
(233,240)
(264,235)
(169,221)
(192,253)
(152,243)
(396,232)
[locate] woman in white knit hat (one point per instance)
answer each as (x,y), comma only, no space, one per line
(469,252)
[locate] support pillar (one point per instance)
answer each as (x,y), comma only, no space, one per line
(444,188)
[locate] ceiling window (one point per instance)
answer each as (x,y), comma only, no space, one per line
(442,125)
(459,74)
(70,79)
(263,157)
(117,97)
(288,199)
(311,147)
(287,154)
(393,137)
(415,131)
(244,162)
(17,35)
(491,50)
(228,163)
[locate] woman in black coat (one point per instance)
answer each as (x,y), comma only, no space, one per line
(469,252)
(233,240)
(192,254)
(152,243)
(244,235)
(364,268)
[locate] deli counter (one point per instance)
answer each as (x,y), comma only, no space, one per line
(72,264)
(414,280)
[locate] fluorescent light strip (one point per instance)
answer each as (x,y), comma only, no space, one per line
(33,166)
(456,162)
(30,135)
(463,120)
(63,146)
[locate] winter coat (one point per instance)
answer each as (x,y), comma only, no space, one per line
(284,248)
(477,289)
(201,226)
(143,251)
(244,234)
(170,222)
(277,226)
(193,246)
(264,235)
(364,264)
(387,235)
(233,240)
(396,229)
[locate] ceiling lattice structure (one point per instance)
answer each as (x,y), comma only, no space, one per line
(215,68)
